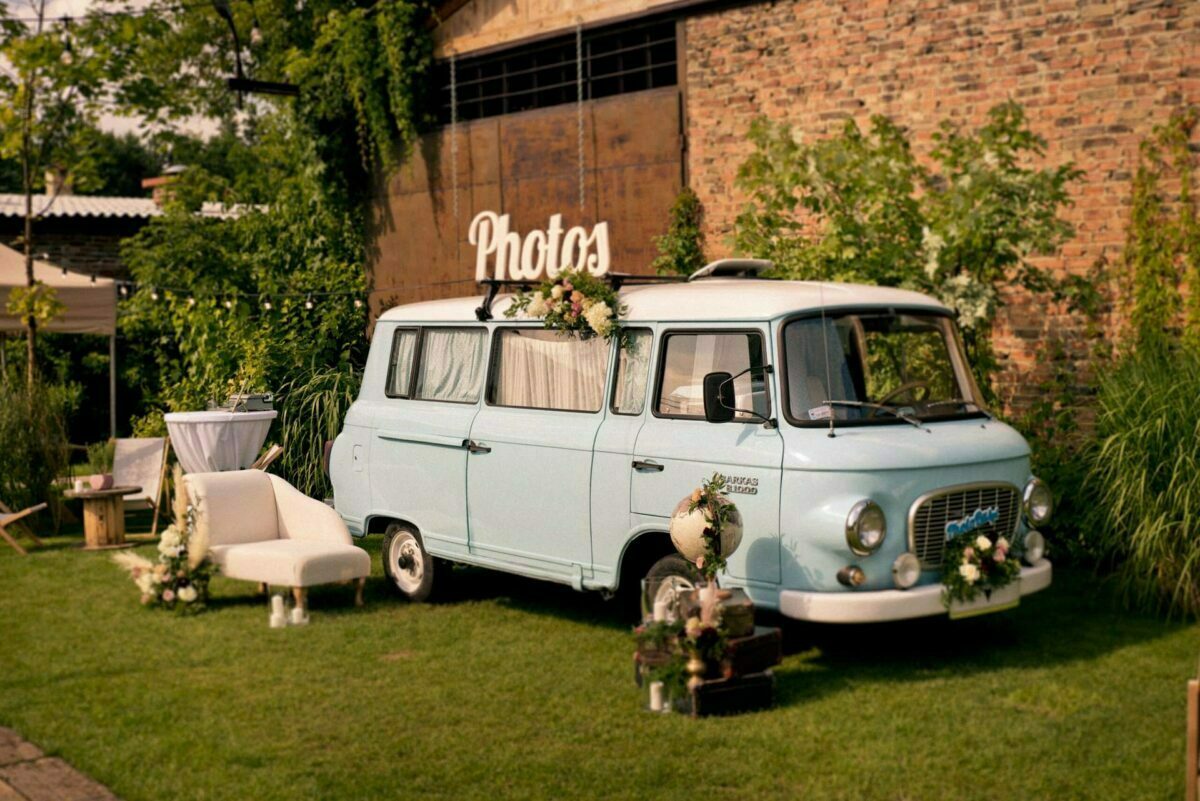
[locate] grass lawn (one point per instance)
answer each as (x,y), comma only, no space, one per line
(519,689)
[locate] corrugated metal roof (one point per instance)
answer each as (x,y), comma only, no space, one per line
(99,206)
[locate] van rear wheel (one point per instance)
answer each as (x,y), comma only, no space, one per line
(406,562)
(673,574)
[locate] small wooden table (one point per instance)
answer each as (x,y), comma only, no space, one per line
(103,516)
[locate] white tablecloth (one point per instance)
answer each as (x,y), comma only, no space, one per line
(209,442)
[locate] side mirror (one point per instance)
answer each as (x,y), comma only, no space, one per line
(718,397)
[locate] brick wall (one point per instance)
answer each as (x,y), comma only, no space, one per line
(81,245)
(1093,77)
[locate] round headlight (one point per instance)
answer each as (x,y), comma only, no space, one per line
(865,527)
(1035,547)
(1039,502)
(906,570)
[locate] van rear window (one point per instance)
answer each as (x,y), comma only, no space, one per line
(452,363)
(538,369)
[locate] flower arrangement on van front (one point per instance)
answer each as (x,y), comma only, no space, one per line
(172,582)
(575,302)
(975,564)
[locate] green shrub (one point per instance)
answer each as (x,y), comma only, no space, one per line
(1143,479)
(681,248)
(33,434)
(313,406)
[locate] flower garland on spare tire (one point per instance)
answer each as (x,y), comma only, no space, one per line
(575,302)
(175,581)
(974,564)
(720,513)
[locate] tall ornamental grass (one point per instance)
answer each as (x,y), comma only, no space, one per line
(314,405)
(1143,478)
(33,443)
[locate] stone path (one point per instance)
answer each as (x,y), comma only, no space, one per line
(26,774)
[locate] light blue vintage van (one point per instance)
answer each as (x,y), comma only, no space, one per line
(859,442)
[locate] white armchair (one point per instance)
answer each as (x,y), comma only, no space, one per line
(257,527)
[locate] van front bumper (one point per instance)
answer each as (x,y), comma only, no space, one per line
(877,606)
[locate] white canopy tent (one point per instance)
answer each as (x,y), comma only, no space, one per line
(91,308)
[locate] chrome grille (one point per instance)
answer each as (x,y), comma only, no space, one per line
(931,512)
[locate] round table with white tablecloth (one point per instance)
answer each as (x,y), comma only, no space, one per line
(210,442)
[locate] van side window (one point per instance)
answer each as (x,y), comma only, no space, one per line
(399,375)
(452,363)
(689,357)
(539,369)
(633,368)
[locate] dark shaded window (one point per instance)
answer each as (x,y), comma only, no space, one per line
(615,61)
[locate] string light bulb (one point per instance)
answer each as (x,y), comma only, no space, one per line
(358,303)
(308,303)
(228,303)
(153,293)
(124,290)
(191,301)
(267,304)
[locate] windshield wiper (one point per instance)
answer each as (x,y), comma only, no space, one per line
(960,402)
(908,418)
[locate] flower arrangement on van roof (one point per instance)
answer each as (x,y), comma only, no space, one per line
(574,302)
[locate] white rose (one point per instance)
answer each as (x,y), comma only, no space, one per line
(983,543)
(187,594)
(557,292)
(599,317)
(970,573)
(537,306)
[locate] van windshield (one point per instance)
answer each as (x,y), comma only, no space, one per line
(910,362)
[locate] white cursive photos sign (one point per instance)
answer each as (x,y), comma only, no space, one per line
(540,253)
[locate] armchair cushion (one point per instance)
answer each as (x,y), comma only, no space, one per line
(292,563)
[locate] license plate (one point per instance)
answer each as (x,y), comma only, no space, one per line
(1002,599)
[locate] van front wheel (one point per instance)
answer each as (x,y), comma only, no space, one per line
(406,562)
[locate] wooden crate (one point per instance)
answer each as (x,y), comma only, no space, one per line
(753,654)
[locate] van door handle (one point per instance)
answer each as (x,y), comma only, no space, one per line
(645,464)
(474,447)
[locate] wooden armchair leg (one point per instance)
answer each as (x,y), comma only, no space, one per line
(262,588)
(359,585)
(9,538)
(300,594)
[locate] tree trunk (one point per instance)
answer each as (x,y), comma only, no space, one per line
(30,321)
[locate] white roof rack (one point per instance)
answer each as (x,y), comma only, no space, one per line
(732,268)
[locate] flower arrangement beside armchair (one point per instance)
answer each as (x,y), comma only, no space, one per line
(179,579)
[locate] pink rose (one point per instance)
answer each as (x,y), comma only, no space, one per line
(1000,555)
(576,307)
(168,596)
(567,286)
(968,552)
(700,563)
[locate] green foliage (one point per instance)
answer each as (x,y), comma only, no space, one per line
(33,443)
(38,302)
(359,68)
(1163,241)
(197,349)
(860,207)
(1144,478)
(314,404)
(681,248)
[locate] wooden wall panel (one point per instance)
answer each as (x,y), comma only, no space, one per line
(526,165)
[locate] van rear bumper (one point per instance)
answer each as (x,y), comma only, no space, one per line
(878,606)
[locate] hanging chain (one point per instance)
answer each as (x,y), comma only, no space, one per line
(579,106)
(454,151)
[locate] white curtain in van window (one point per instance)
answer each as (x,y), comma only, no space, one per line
(451,367)
(548,370)
(635,367)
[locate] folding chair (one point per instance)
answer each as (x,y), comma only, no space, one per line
(268,458)
(8,518)
(142,463)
